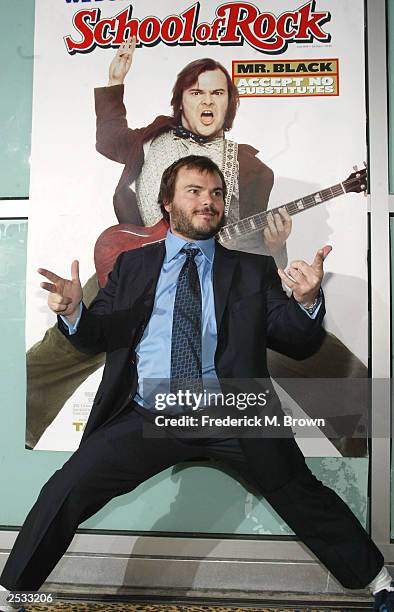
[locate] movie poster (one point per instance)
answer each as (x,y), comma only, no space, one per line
(299,68)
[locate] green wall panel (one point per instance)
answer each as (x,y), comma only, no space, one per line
(16,81)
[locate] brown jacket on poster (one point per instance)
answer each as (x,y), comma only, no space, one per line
(120,143)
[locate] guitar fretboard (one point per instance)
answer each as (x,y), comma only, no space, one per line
(260,220)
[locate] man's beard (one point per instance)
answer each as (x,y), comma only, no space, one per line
(181,223)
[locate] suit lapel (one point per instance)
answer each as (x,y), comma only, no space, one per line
(223,271)
(153,257)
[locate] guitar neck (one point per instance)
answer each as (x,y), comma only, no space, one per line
(259,221)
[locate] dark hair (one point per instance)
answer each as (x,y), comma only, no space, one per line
(189,75)
(168,180)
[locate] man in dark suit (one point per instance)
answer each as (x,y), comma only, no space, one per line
(187,312)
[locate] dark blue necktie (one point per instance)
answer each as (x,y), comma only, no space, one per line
(186,370)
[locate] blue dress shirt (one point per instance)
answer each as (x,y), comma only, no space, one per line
(154,349)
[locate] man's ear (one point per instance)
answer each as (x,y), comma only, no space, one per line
(167,206)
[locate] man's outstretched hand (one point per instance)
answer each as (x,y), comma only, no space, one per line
(303,279)
(65,295)
(121,63)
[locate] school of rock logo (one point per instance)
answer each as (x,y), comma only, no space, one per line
(235,23)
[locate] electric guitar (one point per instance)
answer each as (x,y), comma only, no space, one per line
(126,236)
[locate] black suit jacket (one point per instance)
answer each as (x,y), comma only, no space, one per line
(252,312)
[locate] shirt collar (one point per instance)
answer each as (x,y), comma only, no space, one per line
(174,244)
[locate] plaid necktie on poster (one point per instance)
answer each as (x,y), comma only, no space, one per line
(186,369)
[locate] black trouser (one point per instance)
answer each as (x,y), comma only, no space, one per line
(117,458)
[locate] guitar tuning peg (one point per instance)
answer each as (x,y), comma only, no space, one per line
(365,164)
(355,168)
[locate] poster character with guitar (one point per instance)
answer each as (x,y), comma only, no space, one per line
(204,103)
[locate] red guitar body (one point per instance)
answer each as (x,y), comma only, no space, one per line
(123,237)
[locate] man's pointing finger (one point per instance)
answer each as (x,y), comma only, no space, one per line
(48,287)
(321,255)
(75,270)
(49,275)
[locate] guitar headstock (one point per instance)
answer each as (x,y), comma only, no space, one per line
(357,181)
